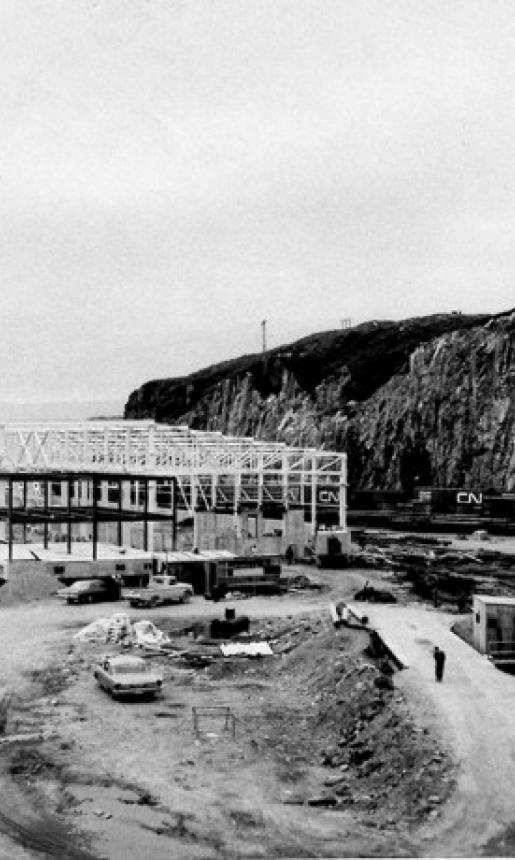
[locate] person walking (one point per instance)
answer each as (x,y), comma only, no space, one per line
(439,657)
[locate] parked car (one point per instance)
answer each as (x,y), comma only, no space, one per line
(127,676)
(161,591)
(90,591)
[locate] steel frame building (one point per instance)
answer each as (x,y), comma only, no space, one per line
(211,471)
(30,508)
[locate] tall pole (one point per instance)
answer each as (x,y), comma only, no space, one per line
(145,515)
(45,511)
(25,511)
(10,517)
(174,513)
(314,490)
(120,509)
(69,523)
(95,518)
(343,494)
(263,334)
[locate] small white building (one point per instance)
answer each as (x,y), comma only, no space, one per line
(494,626)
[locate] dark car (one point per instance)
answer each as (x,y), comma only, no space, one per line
(90,591)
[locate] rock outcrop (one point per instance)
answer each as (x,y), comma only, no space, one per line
(428,401)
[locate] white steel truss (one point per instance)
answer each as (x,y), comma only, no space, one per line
(210,468)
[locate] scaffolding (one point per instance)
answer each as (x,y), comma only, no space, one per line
(211,471)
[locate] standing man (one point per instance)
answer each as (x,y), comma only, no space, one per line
(439,656)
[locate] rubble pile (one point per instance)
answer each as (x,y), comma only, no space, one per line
(435,570)
(357,726)
(378,759)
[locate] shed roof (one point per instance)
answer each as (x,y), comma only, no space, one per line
(494,599)
(176,557)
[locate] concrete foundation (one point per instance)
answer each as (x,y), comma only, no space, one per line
(296,532)
(241,534)
(219,531)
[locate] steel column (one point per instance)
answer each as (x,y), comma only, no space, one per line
(120,508)
(343,496)
(10,517)
(95,520)
(145,516)
(313,494)
(69,523)
(45,510)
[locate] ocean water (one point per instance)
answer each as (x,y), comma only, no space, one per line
(60,410)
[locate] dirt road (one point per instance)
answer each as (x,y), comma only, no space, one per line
(189,777)
(473,710)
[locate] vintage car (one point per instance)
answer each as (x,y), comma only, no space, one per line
(127,676)
(162,590)
(89,591)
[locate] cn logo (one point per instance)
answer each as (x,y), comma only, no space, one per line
(329,497)
(469,498)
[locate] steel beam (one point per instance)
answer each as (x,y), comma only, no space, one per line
(196,460)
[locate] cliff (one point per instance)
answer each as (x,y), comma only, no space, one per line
(428,400)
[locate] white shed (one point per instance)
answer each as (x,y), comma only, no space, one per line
(494,626)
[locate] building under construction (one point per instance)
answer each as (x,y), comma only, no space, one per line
(161,487)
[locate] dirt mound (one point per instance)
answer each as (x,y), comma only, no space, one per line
(358,727)
(28,585)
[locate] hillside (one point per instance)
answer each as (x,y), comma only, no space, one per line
(427,399)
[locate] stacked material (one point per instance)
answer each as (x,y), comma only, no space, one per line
(246,649)
(118,628)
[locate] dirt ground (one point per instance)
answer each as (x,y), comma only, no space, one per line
(328,758)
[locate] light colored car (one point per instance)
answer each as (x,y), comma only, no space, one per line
(162,590)
(127,676)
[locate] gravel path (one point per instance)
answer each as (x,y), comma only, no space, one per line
(472,710)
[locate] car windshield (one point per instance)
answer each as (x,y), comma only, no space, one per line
(128,669)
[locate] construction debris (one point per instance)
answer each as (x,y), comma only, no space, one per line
(246,649)
(147,635)
(119,629)
(375,595)
(436,568)
(300,582)
(113,629)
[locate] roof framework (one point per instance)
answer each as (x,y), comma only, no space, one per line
(211,469)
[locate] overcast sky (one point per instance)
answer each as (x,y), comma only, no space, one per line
(174,171)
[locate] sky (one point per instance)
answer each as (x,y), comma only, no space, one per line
(172,172)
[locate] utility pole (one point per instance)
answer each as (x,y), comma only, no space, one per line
(263,334)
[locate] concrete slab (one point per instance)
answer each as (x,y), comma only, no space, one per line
(80,551)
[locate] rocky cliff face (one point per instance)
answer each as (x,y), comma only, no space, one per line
(449,421)
(428,401)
